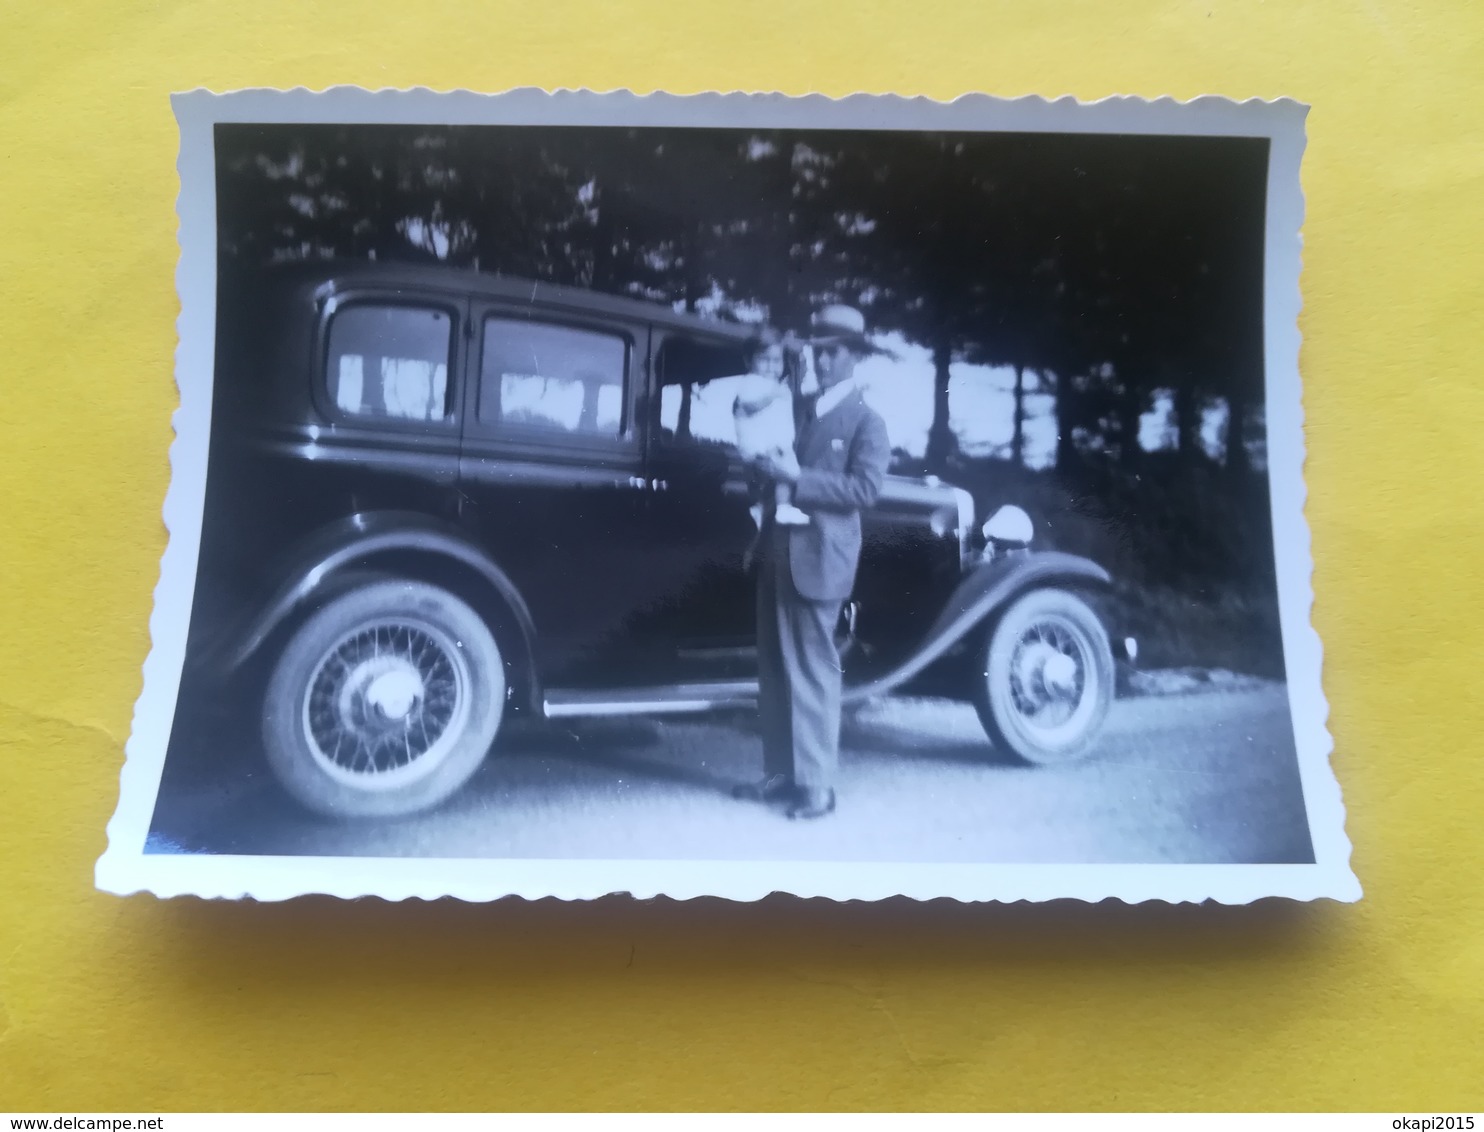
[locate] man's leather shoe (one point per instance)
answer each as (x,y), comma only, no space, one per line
(812,804)
(775,788)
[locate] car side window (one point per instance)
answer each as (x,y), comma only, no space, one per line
(552,378)
(699,384)
(390,361)
(700,412)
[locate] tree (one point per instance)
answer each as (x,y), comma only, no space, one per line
(944,249)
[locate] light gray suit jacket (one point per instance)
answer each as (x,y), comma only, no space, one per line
(843,457)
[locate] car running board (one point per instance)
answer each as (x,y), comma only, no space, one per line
(564,703)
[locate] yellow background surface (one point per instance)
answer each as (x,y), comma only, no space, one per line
(139,1005)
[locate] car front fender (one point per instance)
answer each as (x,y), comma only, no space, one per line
(360,539)
(982,592)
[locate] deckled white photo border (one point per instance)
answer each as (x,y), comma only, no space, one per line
(125,868)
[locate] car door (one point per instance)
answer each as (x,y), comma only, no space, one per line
(332,404)
(552,482)
(699,507)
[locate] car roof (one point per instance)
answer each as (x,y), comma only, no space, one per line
(333,272)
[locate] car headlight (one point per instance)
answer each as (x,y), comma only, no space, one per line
(1009,525)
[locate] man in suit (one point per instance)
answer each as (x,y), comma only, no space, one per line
(806,573)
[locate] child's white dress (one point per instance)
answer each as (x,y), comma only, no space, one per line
(764,416)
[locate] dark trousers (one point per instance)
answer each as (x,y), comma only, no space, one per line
(798,675)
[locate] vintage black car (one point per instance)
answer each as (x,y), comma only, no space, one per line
(438,498)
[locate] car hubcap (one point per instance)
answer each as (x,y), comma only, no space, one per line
(1051,681)
(386,704)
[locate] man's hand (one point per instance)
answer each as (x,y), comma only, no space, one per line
(782,466)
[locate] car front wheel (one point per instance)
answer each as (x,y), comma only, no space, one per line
(384,702)
(1045,683)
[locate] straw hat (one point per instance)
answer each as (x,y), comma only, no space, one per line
(839,323)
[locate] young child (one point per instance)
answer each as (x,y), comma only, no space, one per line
(764,416)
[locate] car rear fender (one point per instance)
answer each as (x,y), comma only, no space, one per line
(407,543)
(982,593)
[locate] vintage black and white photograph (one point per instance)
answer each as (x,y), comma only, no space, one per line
(722,495)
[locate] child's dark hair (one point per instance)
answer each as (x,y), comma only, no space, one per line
(765,339)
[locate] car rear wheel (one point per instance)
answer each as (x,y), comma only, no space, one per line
(1045,683)
(384,702)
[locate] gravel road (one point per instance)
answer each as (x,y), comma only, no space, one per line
(1207,776)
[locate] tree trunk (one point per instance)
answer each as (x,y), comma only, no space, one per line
(1017,435)
(690,251)
(682,419)
(781,274)
(1130,409)
(1187,420)
(792,313)
(374,393)
(1236,435)
(940,437)
(588,421)
(603,239)
(1066,450)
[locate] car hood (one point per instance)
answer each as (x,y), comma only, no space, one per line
(916,497)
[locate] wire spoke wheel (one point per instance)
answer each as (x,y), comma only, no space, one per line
(384,702)
(1047,678)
